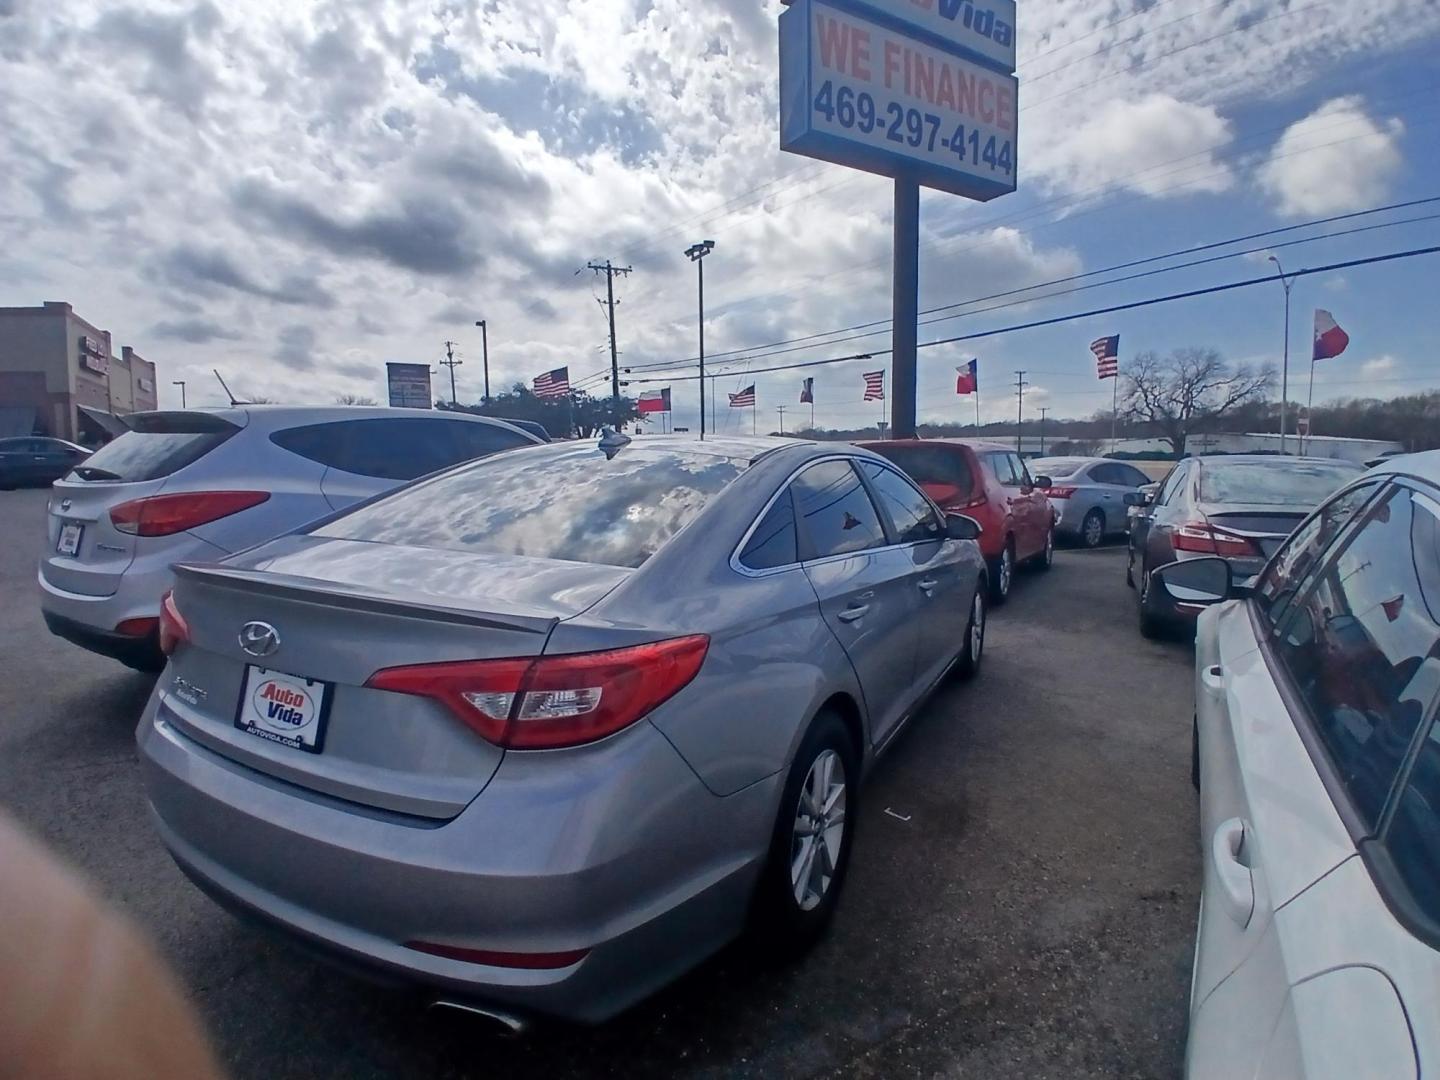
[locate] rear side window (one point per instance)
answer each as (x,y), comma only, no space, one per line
(838,516)
(157,445)
(557,501)
(395,448)
(1174,480)
(773,542)
(910,512)
(1363,643)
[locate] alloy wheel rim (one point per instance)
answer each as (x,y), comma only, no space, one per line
(1092,532)
(1005,571)
(977,627)
(819,830)
(1049,546)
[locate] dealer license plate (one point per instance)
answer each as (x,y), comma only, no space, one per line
(69,542)
(285,709)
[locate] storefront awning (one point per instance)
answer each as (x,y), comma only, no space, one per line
(109,424)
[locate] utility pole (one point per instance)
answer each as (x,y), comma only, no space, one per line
(609,304)
(452,364)
(696,253)
(781,410)
(485,356)
(180,383)
(1285,361)
(1020,385)
(1043,411)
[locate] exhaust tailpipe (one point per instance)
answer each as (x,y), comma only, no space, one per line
(506,1025)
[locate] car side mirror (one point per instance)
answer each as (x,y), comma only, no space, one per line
(961,527)
(1044,483)
(1137,498)
(1198,581)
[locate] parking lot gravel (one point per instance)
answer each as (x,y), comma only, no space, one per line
(1021,901)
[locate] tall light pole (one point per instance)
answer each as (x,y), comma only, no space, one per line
(1285,360)
(1043,411)
(484,355)
(696,254)
(180,383)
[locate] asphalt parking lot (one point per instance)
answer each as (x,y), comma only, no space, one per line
(1021,901)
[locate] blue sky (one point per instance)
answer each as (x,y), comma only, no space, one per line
(300,194)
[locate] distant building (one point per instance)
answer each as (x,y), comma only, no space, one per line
(59,376)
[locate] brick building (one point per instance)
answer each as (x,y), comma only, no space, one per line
(59,376)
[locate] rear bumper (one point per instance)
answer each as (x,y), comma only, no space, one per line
(140,652)
(625,855)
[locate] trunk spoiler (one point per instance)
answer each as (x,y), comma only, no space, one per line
(352,598)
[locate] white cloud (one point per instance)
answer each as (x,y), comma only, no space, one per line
(1334,160)
(1164,144)
(1378,367)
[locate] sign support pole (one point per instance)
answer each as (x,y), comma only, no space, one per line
(905,304)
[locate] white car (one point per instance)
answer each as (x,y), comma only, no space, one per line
(196,485)
(1317,757)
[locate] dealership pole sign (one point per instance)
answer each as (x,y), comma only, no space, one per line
(923,91)
(409,385)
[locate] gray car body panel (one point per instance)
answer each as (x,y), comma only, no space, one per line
(643,847)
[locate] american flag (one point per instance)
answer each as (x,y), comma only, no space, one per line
(745,399)
(553,384)
(874,386)
(807,392)
(1107,356)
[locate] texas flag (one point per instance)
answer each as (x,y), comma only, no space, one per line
(1330,340)
(968,381)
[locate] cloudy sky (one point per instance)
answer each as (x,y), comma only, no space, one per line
(297,192)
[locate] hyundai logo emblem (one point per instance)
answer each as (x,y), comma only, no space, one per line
(64,504)
(259,638)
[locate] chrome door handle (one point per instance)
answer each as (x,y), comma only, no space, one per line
(855,611)
(927,585)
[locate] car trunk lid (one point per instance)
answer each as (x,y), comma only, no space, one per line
(1266,526)
(375,748)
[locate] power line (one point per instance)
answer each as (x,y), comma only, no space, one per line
(761,351)
(1347,264)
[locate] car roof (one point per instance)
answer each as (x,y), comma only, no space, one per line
(1424,465)
(271,417)
(974,444)
(1269,459)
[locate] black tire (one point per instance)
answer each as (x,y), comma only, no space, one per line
(1001,574)
(974,650)
(1092,529)
(1151,626)
(1046,558)
(1129,567)
(1195,752)
(777,918)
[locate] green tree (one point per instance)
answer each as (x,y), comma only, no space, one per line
(582,415)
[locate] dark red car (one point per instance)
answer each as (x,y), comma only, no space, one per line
(989,483)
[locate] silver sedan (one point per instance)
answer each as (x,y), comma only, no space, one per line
(542,732)
(1088,495)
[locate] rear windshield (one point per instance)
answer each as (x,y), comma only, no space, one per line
(1277,483)
(561,501)
(938,465)
(1057,467)
(157,445)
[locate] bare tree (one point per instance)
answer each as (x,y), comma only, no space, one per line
(354,399)
(1189,391)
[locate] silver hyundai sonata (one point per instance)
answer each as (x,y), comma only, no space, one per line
(540,733)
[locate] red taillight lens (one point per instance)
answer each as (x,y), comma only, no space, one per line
(162,515)
(1056,492)
(136,627)
(525,961)
(553,701)
(1203,538)
(173,627)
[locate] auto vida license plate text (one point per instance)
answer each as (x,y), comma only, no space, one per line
(69,542)
(284,709)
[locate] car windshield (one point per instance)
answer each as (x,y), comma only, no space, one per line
(561,501)
(1280,482)
(1057,468)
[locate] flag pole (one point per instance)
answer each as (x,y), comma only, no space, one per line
(977,401)
(1114,405)
(1309,406)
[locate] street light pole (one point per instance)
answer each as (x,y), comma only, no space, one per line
(696,254)
(180,383)
(485,355)
(1043,411)
(1285,356)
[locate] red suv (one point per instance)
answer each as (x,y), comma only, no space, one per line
(989,483)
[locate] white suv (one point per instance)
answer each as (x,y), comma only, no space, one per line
(1317,756)
(199,484)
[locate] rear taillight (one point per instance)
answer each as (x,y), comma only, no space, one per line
(1203,538)
(1055,492)
(162,515)
(173,627)
(968,503)
(553,701)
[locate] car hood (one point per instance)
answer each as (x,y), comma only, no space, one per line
(433,575)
